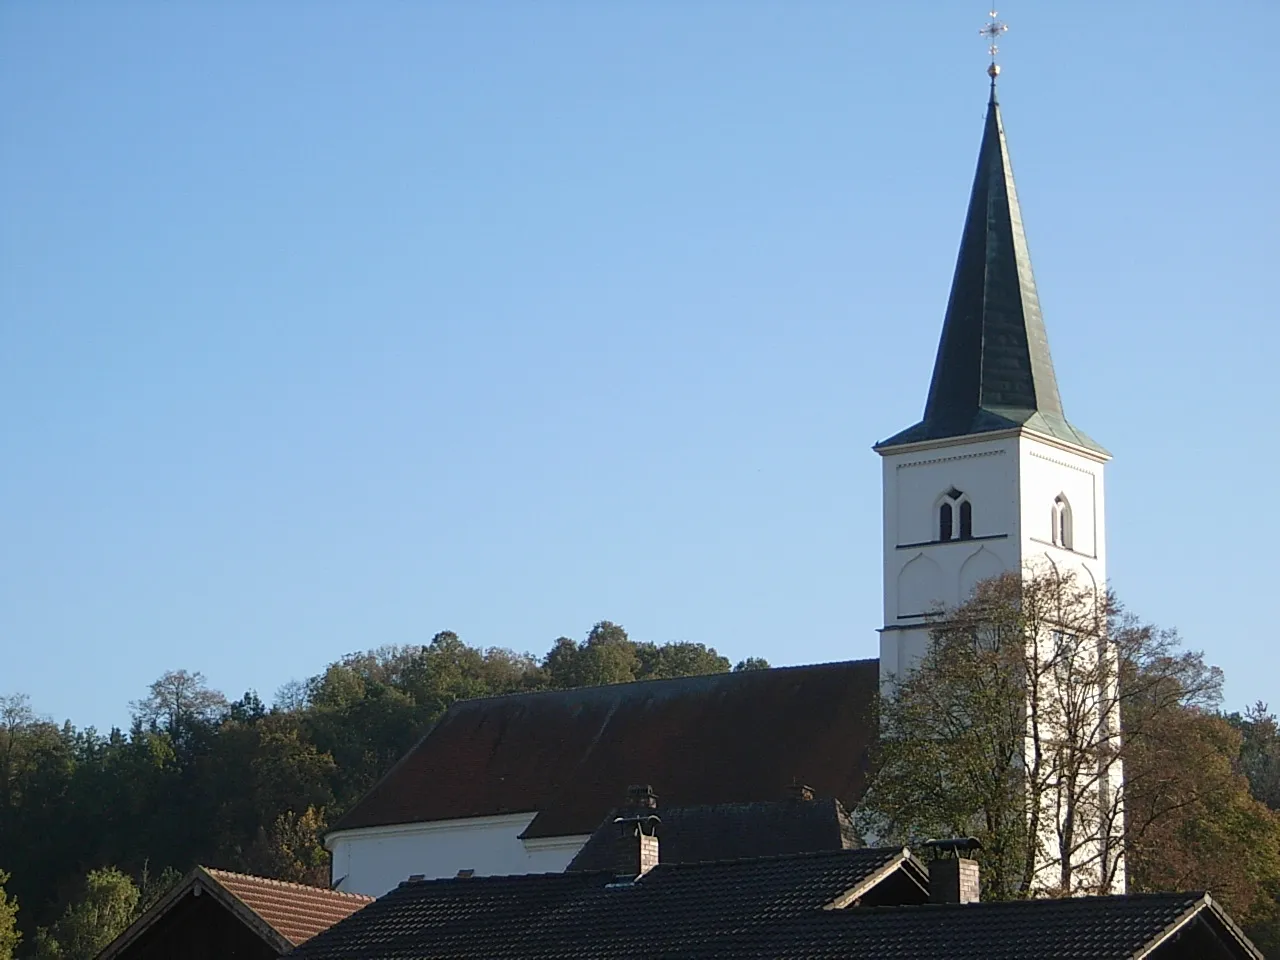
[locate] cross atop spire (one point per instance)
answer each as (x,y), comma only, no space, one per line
(993,370)
(993,29)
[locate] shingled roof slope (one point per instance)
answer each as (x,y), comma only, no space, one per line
(732,831)
(297,911)
(1075,928)
(279,914)
(590,914)
(804,907)
(569,755)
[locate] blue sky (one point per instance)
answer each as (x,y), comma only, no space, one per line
(329,326)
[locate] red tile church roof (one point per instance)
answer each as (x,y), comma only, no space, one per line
(569,755)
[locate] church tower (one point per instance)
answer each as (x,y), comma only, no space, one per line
(994,478)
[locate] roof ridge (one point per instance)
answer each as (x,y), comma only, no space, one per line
(219,875)
(652,680)
(1076,903)
(494,877)
(774,857)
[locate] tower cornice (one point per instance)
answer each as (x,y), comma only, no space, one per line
(1094,452)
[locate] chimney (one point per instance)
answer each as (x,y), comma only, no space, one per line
(799,791)
(640,796)
(637,851)
(953,878)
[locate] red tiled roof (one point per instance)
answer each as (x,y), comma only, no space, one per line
(569,755)
(296,911)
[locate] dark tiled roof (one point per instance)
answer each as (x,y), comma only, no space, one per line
(993,370)
(803,907)
(732,831)
(1079,928)
(298,912)
(674,910)
(569,755)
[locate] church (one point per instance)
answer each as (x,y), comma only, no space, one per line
(993,479)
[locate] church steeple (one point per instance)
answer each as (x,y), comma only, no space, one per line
(993,369)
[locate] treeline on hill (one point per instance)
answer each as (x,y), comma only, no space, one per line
(93,826)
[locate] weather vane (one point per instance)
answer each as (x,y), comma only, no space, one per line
(992,30)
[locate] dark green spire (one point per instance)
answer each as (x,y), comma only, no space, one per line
(993,370)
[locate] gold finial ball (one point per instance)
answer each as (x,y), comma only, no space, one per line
(993,71)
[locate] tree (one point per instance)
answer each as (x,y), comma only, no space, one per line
(292,848)
(1193,823)
(1009,729)
(751,663)
(108,906)
(177,702)
(1260,751)
(677,660)
(606,656)
(20,735)
(198,780)
(10,936)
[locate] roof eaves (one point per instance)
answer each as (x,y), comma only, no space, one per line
(394,768)
(1150,947)
(197,881)
(249,916)
(150,915)
(860,890)
(1232,928)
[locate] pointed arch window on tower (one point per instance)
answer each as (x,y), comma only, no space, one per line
(955,516)
(1062,533)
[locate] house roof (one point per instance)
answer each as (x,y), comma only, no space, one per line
(993,369)
(569,755)
(297,911)
(282,914)
(803,907)
(674,909)
(732,831)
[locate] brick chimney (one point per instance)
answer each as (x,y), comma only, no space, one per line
(637,850)
(953,878)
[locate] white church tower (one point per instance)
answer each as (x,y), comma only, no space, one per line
(993,479)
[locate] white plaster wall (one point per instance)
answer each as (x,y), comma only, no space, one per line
(373,860)
(922,574)
(1048,470)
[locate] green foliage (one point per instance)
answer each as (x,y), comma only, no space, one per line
(1194,824)
(1008,728)
(152,886)
(242,786)
(108,906)
(1260,751)
(292,848)
(10,937)
(179,703)
(608,655)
